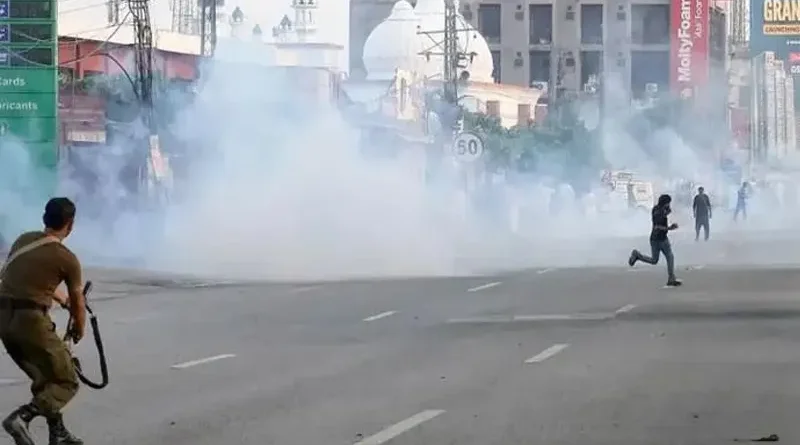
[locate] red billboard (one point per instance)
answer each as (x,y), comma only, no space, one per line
(689,46)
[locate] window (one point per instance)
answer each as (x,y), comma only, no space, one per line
(650,24)
(112,7)
(649,67)
(496,61)
(592,24)
(591,67)
(540,66)
(541,24)
(489,22)
(718,47)
(88,74)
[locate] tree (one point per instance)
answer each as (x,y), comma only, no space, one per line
(562,145)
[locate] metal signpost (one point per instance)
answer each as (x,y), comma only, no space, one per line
(29,80)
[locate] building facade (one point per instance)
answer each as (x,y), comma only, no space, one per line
(564,45)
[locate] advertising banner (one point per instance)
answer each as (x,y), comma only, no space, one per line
(775,26)
(794,63)
(689,46)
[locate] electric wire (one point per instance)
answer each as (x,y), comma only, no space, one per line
(100,48)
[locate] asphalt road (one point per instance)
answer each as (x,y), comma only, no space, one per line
(551,355)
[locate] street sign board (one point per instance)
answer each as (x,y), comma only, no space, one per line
(467,147)
(28,129)
(29,81)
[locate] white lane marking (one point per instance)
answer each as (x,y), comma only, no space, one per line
(499,319)
(484,286)
(210,284)
(560,317)
(547,353)
(698,267)
(400,428)
(381,315)
(202,361)
(544,271)
(304,289)
(529,318)
(624,309)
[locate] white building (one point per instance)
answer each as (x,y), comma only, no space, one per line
(409,42)
(772,114)
(111,22)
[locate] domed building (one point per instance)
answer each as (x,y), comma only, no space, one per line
(394,45)
(479,64)
(403,59)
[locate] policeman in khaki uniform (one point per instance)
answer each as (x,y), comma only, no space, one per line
(37,264)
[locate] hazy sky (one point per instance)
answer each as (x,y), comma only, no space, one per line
(88,18)
(332,18)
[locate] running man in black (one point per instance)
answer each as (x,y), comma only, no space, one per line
(702,213)
(659,241)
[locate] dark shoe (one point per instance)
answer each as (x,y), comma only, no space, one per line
(674,282)
(16,424)
(59,435)
(634,256)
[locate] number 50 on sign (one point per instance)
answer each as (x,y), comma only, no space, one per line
(467,147)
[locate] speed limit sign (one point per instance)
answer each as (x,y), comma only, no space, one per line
(467,147)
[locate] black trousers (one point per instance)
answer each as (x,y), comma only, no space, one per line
(701,222)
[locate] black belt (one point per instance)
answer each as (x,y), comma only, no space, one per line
(16,304)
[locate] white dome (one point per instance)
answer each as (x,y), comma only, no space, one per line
(394,44)
(470,41)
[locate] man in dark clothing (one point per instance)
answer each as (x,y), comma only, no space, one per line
(702,213)
(659,241)
(741,202)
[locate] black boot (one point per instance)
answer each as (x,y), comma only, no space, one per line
(59,435)
(16,424)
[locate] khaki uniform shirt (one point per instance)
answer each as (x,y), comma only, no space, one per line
(35,275)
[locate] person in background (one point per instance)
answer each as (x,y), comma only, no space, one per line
(741,201)
(702,213)
(631,195)
(659,241)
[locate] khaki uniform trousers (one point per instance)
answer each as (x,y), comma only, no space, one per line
(30,338)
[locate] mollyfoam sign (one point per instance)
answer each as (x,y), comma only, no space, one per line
(689,46)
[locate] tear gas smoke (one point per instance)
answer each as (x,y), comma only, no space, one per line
(280,188)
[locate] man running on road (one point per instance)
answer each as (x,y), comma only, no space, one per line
(659,241)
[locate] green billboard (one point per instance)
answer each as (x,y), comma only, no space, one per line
(28,82)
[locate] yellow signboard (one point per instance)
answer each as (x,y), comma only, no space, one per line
(780,17)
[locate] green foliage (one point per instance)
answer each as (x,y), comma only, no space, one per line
(560,146)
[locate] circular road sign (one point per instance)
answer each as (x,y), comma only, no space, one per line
(467,147)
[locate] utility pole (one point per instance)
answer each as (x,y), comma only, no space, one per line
(143,59)
(454,65)
(208,27)
(454,71)
(450,70)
